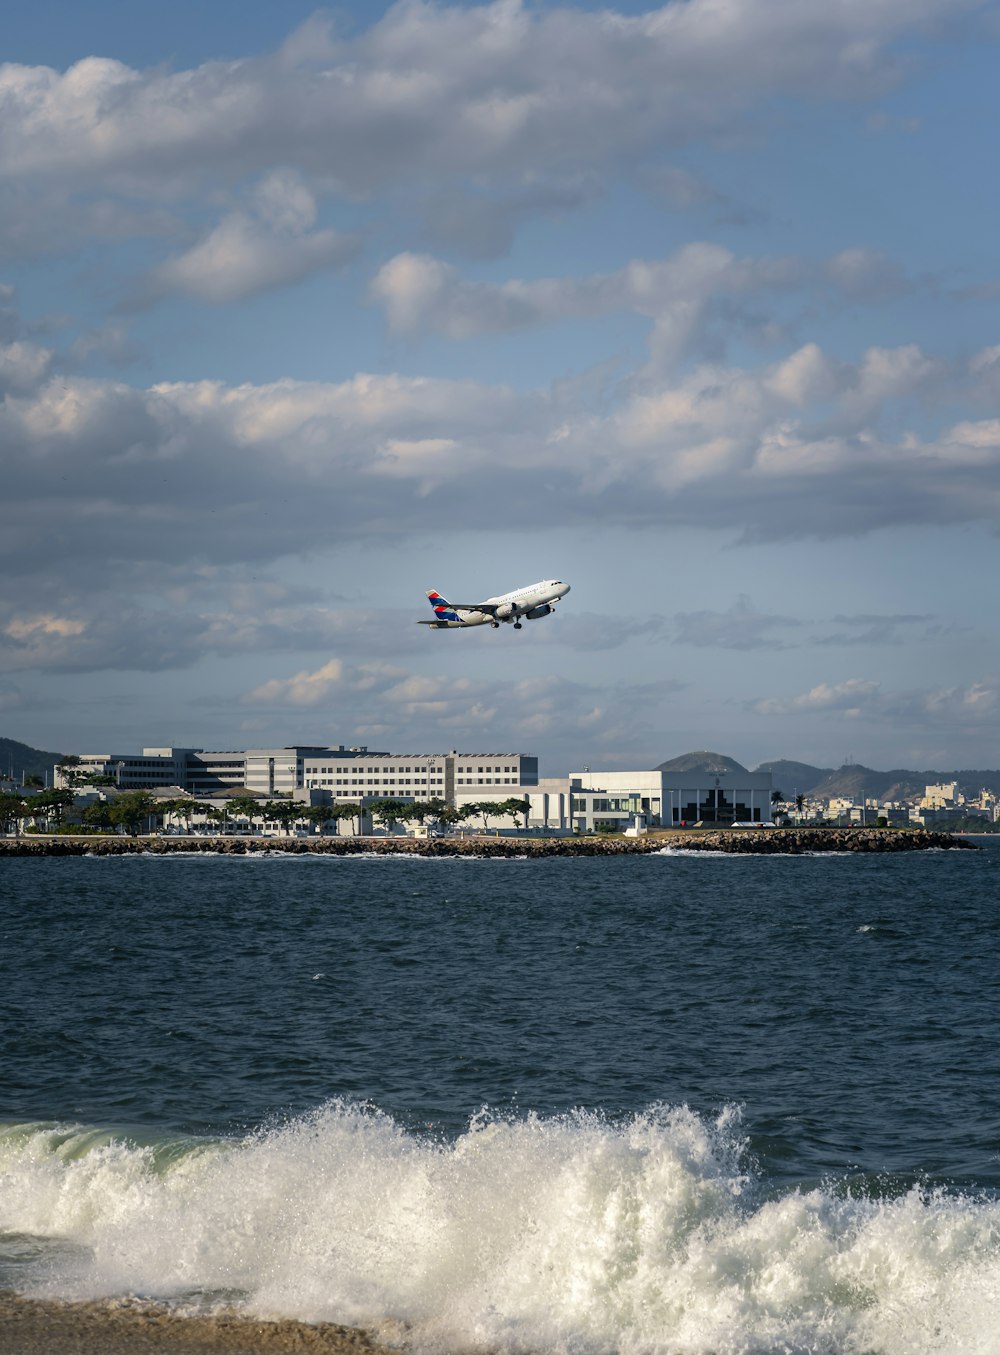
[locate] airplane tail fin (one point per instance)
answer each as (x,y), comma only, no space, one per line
(443,609)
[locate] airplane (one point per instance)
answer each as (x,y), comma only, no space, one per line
(537,600)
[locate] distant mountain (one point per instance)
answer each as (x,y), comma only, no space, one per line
(899,783)
(794,778)
(711,764)
(852,781)
(21,757)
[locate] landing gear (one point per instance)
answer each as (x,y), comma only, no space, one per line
(495,625)
(517,625)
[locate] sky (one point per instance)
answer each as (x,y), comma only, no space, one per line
(697,307)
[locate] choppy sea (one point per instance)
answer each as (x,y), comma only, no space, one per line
(653,1104)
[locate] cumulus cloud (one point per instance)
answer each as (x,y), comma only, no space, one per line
(421,293)
(386,701)
(22,366)
(251,252)
(970,707)
(110,467)
(494,92)
(848,698)
(304,689)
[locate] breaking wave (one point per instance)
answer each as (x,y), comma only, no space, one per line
(572,1233)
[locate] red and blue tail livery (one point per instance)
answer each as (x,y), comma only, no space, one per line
(534,601)
(443,610)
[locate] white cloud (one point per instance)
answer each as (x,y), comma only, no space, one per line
(495,92)
(251,252)
(110,468)
(973,706)
(386,702)
(304,689)
(422,294)
(847,698)
(22,366)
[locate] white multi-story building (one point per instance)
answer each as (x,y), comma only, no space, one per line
(343,773)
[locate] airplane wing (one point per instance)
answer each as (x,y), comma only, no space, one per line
(488,607)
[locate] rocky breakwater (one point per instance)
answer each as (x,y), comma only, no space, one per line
(764,841)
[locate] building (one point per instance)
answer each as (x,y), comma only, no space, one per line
(342,773)
(656,799)
(944,795)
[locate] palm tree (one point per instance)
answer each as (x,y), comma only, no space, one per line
(777,798)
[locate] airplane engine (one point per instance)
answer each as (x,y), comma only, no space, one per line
(536,612)
(506,611)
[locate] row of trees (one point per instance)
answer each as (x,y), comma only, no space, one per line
(136,809)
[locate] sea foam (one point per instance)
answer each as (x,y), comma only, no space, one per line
(573,1233)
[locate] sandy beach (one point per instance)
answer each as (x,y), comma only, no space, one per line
(32,1327)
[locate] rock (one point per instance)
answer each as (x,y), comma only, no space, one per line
(764,841)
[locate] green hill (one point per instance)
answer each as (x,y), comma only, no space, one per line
(22,759)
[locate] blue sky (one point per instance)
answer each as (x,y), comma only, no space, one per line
(698,307)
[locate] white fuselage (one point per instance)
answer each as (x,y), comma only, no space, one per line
(531,602)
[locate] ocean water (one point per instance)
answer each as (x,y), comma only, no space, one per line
(676,1103)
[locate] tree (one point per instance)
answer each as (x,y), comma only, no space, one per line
(98,815)
(486,810)
(52,804)
(389,811)
(777,799)
(65,766)
(89,779)
(347,809)
(800,802)
(182,807)
(447,816)
(131,808)
(12,810)
(212,813)
(244,807)
(320,815)
(284,812)
(515,806)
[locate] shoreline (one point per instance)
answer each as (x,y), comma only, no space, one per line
(130,1327)
(737,841)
